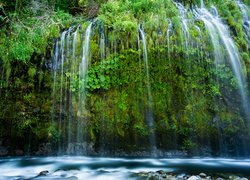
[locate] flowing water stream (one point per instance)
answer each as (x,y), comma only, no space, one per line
(74,167)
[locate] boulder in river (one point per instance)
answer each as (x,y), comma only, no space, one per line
(43,173)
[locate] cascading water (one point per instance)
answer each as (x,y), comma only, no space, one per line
(102,56)
(69,65)
(199,45)
(246,20)
(61,64)
(149,111)
(82,84)
(175,88)
(54,71)
(169,30)
(71,84)
(202,4)
(219,32)
(184,22)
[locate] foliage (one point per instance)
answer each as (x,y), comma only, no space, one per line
(193,101)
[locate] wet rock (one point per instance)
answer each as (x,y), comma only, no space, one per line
(187,176)
(158,175)
(194,178)
(233,177)
(3,151)
(181,176)
(160,172)
(44,149)
(80,148)
(171,177)
(43,173)
(174,154)
(19,152)
(202,175)
(164,176)
(205,151)
(143,174)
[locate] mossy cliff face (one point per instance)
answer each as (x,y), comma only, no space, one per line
(195,104)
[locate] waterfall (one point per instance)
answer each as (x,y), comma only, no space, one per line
(71,84)
(68,66)
(149,112)
(82,84)
(61,64)
(246,20)
(102,123)
(184,24)
(71,62)
(54,71)
(102,45)
(202,4)
(169,30)
(199,45)
(219,32)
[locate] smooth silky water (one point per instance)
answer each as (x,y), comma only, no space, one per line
(63,167)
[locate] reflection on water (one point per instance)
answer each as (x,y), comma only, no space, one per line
(113,168)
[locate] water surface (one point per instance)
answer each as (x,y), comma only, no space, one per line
(63,167)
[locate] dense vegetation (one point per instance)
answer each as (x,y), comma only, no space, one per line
(195,105)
